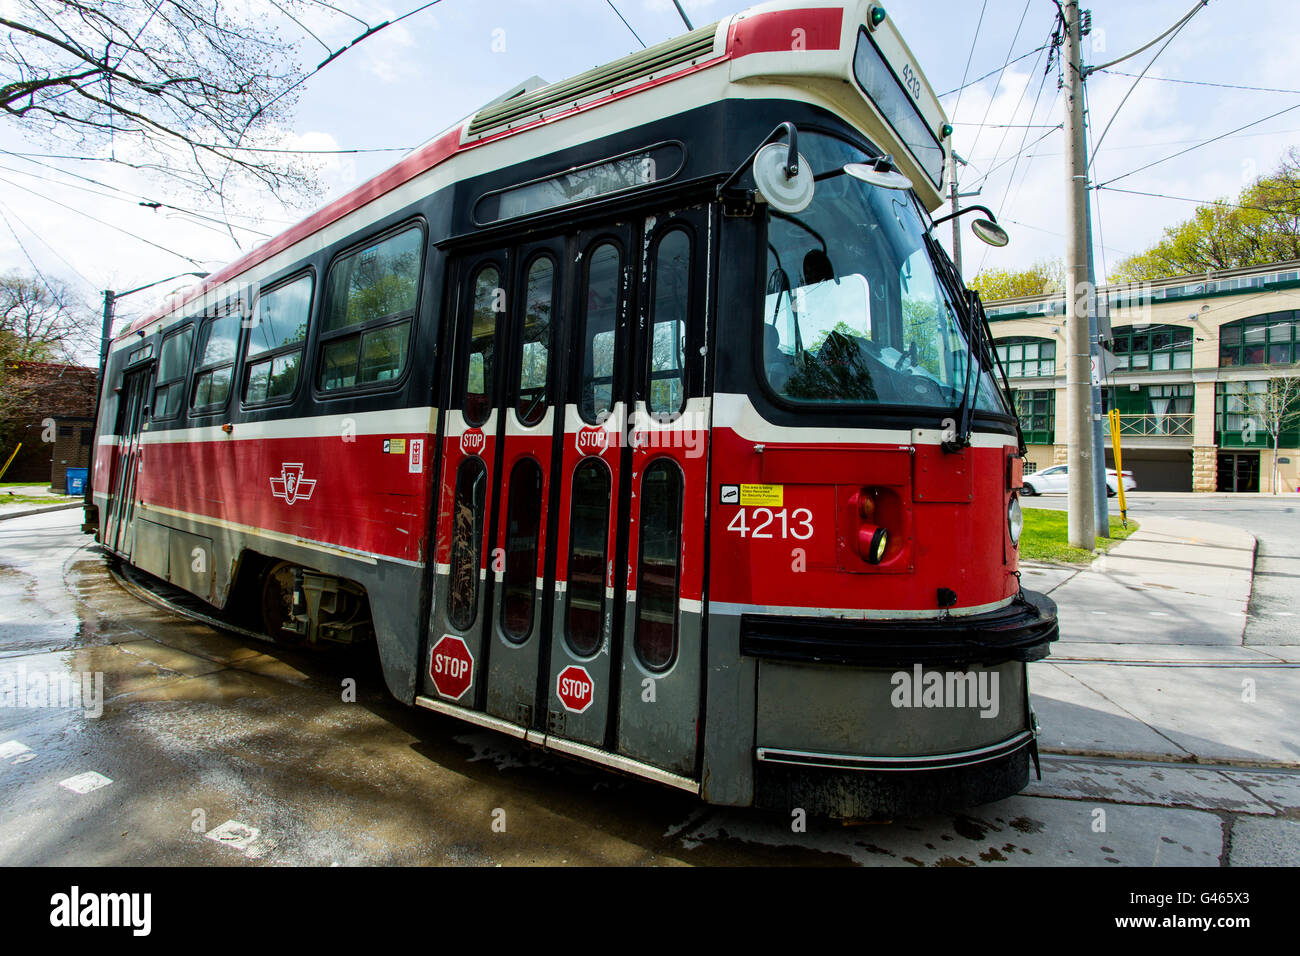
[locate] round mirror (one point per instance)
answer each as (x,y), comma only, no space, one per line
(989,231)
(885,179)
(788,194)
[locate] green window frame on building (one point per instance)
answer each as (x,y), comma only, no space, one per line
(1036,409)
(1027,357)
(1155,348)
(1231,415)
(1269,339)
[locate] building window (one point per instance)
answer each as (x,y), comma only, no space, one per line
(1237,419)
(1027,357)
(1272,339)
(1037,413)
(1155,348)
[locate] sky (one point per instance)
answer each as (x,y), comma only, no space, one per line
(408,82)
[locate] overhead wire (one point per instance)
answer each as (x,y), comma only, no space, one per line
(110,225)
(970,56)
(1213,139)
(625,23)
(998,84)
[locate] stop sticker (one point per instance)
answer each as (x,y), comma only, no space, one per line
(575,688)
(451,666)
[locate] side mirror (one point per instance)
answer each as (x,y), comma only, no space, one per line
(990,232)
(778,188)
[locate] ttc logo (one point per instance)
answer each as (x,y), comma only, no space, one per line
(291,486)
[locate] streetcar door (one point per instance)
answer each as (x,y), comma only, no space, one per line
(130,418)
(582,672)
(462,586)
(664,506)
(517,624)
(625,648)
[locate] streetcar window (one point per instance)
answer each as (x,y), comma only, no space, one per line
(657,577)
(370,302)
(277,336)
(173,364)
(535,342)
(488,304)
(672,277)
(601,314)
(217,362)
(466,542)
(853,311)
(588,539)
(522,526)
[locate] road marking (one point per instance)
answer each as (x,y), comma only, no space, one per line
(84,783)
(239,836)
(1158,613)
(13,748)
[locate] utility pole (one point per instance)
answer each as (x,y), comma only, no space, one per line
(1100,504)
(1078,385)
(953,197)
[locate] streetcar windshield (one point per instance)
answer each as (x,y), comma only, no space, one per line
(853,311)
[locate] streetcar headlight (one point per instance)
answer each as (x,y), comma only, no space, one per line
(1015,519)
(873,541)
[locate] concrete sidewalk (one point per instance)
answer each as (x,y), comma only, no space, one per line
(1151,665)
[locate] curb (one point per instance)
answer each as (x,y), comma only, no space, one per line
(41,511)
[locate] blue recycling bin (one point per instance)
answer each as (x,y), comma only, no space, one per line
(76,480)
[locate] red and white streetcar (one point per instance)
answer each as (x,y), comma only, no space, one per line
(640,417)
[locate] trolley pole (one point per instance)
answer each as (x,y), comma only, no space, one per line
(1078,383)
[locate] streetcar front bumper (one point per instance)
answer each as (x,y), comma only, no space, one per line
(895,717)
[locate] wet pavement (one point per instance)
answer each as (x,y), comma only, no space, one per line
(216,749)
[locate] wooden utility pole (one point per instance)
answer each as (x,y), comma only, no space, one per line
(1078,383)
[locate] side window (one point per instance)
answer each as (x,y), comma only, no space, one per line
(657,575)
(467,542)
(535,341)
(274,351)
(522,525)
(487,305)
(600,316)
(588,538)
(370,304)
(666,386)
(173,366)
(216,364)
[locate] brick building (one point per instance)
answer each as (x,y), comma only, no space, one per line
(50,408)
(1188,352)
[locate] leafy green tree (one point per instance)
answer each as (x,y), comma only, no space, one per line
(1260,226)
(1043,277)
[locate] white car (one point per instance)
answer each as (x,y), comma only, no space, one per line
(1056,481)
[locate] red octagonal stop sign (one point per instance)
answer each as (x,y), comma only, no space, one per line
(451,666)
(575,688)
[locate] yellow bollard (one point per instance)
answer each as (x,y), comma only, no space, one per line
(1119,466)
(11,460)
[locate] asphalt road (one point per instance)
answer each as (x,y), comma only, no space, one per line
(1275,523)
(211,749)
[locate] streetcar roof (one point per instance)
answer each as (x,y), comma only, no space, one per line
(803,47)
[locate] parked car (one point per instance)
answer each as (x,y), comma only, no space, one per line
(1056,481)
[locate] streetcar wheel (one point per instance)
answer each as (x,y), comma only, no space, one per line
(277,604)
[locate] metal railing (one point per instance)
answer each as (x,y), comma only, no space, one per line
(1156,426)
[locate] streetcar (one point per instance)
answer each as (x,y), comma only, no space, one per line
(639,417)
